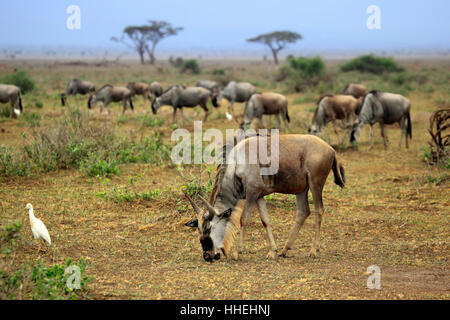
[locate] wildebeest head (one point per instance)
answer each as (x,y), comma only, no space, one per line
(155,105)
(216,99)
(314,129)
(217,230)
(90,101)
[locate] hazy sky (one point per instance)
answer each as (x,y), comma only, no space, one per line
(327,24)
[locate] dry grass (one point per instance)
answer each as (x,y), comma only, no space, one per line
(388,214)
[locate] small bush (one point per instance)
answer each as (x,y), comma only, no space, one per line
(39,105)
(190,65)
(20,79)
(96,167)
(309,67)
(372,64)
(218,72)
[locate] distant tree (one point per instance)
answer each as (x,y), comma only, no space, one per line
(138,37)
(154,33)
(277,41)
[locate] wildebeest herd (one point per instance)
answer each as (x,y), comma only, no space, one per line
(305,161)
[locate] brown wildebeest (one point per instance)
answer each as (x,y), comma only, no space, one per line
(384,108)
(304,163)
(266,104)
(77,86)
(11,94)
(140,88)
(108,94)
(356,90)
(332,108)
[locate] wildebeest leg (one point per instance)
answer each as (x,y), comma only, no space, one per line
(383,134)
(371,137)
(264,215)
(261,123)
(277,118)
(125,102)
(248,208)
(205,108)
(316,191)
(230,107)
(175,114)
(402,123)
(12,113)
(303,212)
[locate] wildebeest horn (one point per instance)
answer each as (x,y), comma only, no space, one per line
(196,208)
(211,209)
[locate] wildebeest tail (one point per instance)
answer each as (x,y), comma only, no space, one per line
(20,102)
(339,173)
(408,125)
(287,115)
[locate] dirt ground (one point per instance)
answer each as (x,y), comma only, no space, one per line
(388,215)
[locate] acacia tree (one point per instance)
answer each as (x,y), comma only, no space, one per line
(137,36)
(155,32)
(277,41)
(145,38)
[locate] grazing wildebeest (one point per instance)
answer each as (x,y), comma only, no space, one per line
(11,94)
(180,96)
(266,103)
(77,86)
(139,88)
(304,164)
(234,92)
(332,108)
(356,90)
(156,89)
(212,86)
(108,94)
(384,108)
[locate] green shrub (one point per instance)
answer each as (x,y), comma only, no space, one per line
(20,79)
(218,72)
(372,64)
(190,65)
(39,105)
(309,67)
(95,167)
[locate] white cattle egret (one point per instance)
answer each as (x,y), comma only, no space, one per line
(229,116)
(17,112)
(38,228)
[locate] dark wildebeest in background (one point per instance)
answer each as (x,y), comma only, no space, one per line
(77,86)
(11,94)
(384,108)
(156,89)
(356,90)
(304,164)
(180,96)
(213,87)
(108,94)
(268,103)
(234,92)
(335,107)
(140,88)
